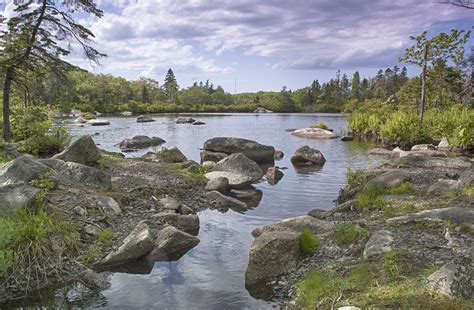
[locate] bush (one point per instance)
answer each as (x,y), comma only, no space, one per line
(404,128)
(345,233)
(308,241)
(52,142)
(88,115)
(320,125)
(106,236)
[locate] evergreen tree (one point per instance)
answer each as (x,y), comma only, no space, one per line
(356,87)
(171,86)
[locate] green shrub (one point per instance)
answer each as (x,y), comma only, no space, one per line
(308,241)
(52,142)
(106,236)
(346,233)
(404,128)
(88,115)
(356,178)
(320,125)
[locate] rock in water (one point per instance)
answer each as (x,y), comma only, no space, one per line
(223,203)
(347,138)
(82,151)
(187,223)
(171,244)
(236,180)
(278,155)
(137,244)
(273,175)
(306,155)
(98,122)
(199,123)
(252,149)
(185,120)
(314,133)
(144,119)
(139,142)
(240,164)
(271,255)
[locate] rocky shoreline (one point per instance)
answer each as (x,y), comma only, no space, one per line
(418,207)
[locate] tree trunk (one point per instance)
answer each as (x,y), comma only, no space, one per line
(7,132)
(421,110)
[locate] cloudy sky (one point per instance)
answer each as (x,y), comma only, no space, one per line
(261,44)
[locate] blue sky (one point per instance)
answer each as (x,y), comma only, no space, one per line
(260,44)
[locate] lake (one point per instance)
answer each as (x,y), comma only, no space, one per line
(211,276)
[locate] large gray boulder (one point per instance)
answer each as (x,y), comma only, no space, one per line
(236,180)
(306,155)
(378,243)
(139,142)
(241,164)
(442,186)
(171,244)
(144,119)
(457,215)
(296,225)
(219,184)
(82,151)
(187,223)
(212,156)
(271,255)
(70,173)
(137,244)
(314,133)
(252,149)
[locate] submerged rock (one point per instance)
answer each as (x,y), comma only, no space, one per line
(306,155)
(222,202)
(347,138)
(137,244)
(296,224)
(171,244)
(82,151)
(185,120)
(252,149)
(139,142)
(314,133)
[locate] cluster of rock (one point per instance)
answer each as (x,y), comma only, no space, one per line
(440,150)
(139,142)
(188,120)
(275,256)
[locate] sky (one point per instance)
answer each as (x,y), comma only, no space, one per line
(250,45)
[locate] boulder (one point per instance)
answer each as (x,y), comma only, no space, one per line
(319,213)
(390,178)
(70,173)
(98,122)
(222,202)
(252,149)
(187,223)
(169,203)
(306,155)
(82,151)
(185,120)
(273,175)
(296,225)
(139,142)
(21,170)
(126,113)
(185,210)
(443,186)
(423,147)
(271,255)
(428,162)
(425,153)
(173,154)
(208,165)
(250,195)
(14,196)
(137,244)
(107,204)
(347,138)
(240,164)
(314,133)
(378,243)
(444,145)
(212,156)
(144,119)
(443,280)
(219,184)
(278,155)
(171,244)
(199,123)
(457,215)
(236,180)
(262,110)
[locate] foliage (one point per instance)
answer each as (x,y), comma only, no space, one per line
(88,115)
(405,128)
(346,233)
(106,236)
(45,183)
(400,189)
(394,263)
(357,177)
(320,125)
(399,209)
(369,198)
(308,242)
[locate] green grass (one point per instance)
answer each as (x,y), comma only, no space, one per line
(106,236)
(357,177)
(308,241)
(394,263)
(370,197)
(4,158)
(346,233)
(397,210)
(320,125)
(401,189)
(469,190)
(428,271)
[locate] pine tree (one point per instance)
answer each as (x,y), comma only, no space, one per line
(171,86)
(32,42)
(356,87)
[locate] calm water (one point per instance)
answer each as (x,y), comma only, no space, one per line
(211,276)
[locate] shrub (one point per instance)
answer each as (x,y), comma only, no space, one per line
(404,128)
(52,142)
(88,115)
(403,188)
(308,241)
(320,125)
(345,233)
(106,236)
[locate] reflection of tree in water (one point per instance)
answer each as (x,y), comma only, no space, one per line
(74,295)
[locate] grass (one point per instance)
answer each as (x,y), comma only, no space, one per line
(92,253)
(394,263)
(397,210)
(192,178)
(168,156)
(308,241)
(401,189)
(346,233)
(320,125)
(4,158)
(105,236)
(469,190)
(370,197)
(428,271)
(357,177)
